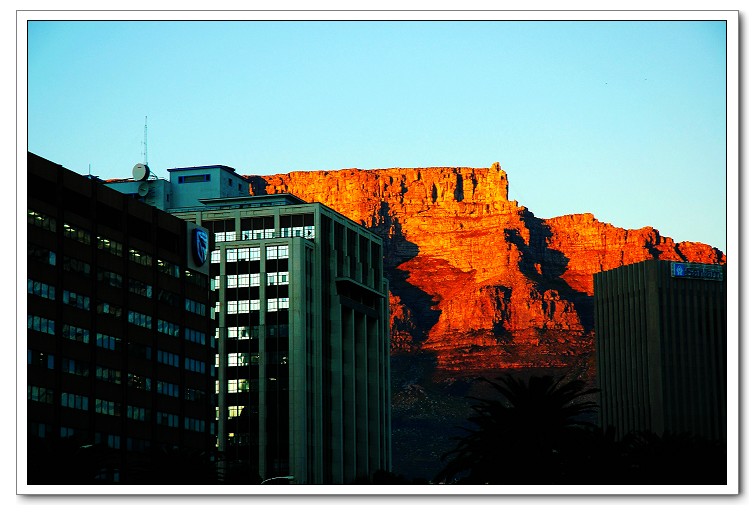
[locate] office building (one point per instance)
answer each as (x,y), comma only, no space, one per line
(301,314)
(119,335)
(661,348)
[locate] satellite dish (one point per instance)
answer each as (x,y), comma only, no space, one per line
(140,172)
(143,189)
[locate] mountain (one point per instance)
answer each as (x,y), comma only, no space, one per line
(476,279)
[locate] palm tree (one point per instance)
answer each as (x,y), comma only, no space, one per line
(529,436)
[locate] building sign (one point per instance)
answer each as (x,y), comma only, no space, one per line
(197,248)
(697,271)
(199,245)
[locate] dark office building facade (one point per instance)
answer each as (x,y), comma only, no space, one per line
(119,337)
(300,307)
(661,348)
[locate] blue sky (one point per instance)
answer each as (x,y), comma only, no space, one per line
(625,120)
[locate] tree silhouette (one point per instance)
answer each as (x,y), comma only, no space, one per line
(529,437)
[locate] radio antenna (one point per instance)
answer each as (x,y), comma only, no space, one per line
(146,161)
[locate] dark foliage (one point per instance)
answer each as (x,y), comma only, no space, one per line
(525,437)
(540,433)
(69,462)
(173,466)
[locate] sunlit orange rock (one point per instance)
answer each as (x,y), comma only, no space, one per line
(474,277)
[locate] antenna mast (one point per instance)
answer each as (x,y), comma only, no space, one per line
(146,161)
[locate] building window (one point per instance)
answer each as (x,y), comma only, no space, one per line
(74,265)
(39,394)
(104,407)
(192,394)
(194,336)
(196,278)
(277,304)
(137,444)
(76,234)
(140,382)
(168,358)
(188,179)
(139,257)
(110,278)
(69,432)
(238,385)
(140,288)
(194,424)
(108,342)
(73,367)
(167,419)
(240,359)
(40,220)
(196,307)
(168,268)
(78,334)
(169,328)
(170,389)
(40,359)
(307,232)
(140,319)
(40,430)
(41,289)
(225,236)
(242,280)
(194,365)
(108,375)
(136,413)
(277,252)
(110,246)
(110,441)
(76,300)
(106,308)
(274,278)
(74,401)
(169,298)
(41,255)
(215,256)
(43,325)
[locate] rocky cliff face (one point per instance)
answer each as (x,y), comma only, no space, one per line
(474,277)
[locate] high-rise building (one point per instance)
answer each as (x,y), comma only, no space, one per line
(119,346)
(661,348)
(300,307)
